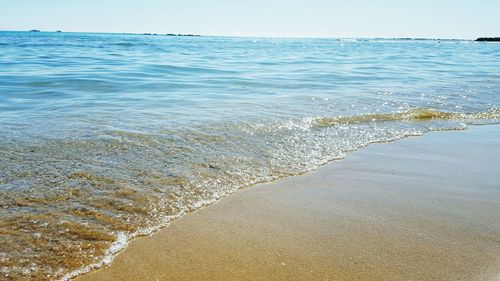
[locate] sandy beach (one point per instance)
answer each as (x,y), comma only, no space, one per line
(423,208)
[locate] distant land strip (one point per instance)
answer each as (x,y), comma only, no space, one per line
(488,39)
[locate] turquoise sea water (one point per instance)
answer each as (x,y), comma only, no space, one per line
(104,137)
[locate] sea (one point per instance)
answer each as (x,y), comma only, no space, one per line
(106,137)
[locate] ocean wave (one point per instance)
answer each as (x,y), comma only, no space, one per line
(410,115)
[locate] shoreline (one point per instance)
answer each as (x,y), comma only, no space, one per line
(169,254)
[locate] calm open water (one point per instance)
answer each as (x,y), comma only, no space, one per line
(104,136)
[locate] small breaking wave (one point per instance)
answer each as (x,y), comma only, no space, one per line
(411,115)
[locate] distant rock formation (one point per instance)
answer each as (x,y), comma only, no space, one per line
(34,30)
(488,39)
(187,35)
(173,34)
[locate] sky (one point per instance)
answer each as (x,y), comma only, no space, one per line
(465,19)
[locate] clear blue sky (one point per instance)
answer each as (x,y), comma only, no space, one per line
(287,18)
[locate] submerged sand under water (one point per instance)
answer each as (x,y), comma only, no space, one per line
(423,208)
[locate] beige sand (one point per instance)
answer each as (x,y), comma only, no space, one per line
(425,208)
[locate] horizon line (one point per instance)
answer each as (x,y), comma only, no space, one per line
(245,36)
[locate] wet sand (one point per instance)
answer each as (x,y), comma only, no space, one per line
(423,208)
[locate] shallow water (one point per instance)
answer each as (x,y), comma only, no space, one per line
(107,136)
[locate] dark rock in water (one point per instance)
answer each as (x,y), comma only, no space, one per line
(171,34)
(34,30)
(58,31)
(488,39)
